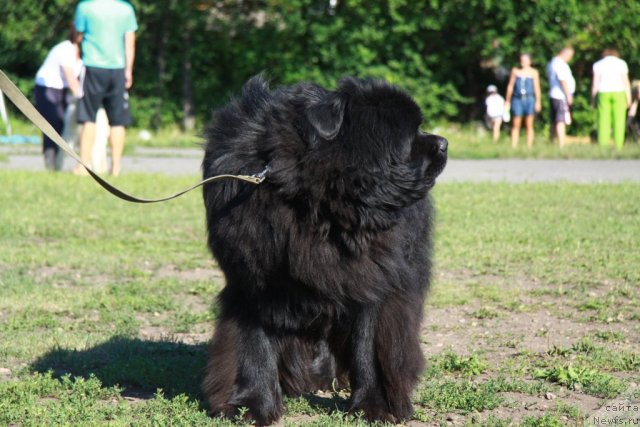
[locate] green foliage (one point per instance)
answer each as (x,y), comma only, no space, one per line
(443,52)
(610,336)
(548,420)
(466,366)
(486,313)
(465,396)
(589,379)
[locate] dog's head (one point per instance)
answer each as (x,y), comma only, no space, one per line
(377,127)
(354,156)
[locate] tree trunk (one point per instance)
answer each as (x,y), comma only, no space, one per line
(188,110)
(161,67)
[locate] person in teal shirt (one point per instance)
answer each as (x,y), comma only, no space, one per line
(108,51)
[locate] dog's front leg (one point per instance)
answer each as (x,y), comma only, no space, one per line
(367,394)
(398,349)
(242,372)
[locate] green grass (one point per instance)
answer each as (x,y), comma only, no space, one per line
(469,141)
(473,142)
(581,377)
(564,234)
(105,303)
(168,137)
(466,366)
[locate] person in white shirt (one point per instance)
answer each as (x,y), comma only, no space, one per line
(611,90)
(562,85)
(59,72)
(495,110)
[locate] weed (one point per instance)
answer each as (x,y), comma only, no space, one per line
(610,336)
(485,313)
(548,420)
(584,378)
(464,395)
(466,366)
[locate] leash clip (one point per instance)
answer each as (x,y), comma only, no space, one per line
(260,177)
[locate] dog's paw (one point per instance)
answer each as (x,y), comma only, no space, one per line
(264,417)
(373,413)
(255,416)
(223,411)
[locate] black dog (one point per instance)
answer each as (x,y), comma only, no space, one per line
(328,260)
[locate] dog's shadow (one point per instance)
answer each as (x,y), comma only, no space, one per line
(142,367)
(139,367)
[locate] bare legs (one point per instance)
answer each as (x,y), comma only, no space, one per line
(528,124)
(88,136)
(515,130)
(116,138)
(559,130)
(496,124)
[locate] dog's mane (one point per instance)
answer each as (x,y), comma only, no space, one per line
(358,180)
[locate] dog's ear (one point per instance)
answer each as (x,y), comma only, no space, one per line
(326,115)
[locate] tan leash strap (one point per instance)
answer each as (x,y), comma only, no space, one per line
(22,103)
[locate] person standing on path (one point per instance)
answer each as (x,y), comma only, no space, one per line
(108,51)
(562,85)
(523,96)
(611,92)
(59,72)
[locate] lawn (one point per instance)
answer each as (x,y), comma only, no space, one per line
(107,306)
(469,141)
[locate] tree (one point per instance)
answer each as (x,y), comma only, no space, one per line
(193,54)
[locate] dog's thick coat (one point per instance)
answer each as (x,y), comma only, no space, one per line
(328,260)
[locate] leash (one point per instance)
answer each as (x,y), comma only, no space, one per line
(24,105)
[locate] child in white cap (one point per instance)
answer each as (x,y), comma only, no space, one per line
(495,110)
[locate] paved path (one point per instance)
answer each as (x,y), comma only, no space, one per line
(187,162)
(514,170)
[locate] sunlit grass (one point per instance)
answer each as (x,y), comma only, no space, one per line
(115,300)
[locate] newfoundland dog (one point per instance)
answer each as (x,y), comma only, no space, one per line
(328,260)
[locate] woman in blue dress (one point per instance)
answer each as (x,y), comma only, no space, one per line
(523,97)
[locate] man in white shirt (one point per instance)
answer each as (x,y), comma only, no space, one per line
(612,89)
(562,85)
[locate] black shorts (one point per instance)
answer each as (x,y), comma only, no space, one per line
(559,110)
(104,87)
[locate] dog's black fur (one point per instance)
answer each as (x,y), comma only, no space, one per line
(327,262)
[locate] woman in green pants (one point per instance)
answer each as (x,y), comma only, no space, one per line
(613,90)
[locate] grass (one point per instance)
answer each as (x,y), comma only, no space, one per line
(467,366)
(474,142)
(470,141)
(585,378)
(106,306)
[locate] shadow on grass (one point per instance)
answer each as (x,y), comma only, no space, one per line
(139,367)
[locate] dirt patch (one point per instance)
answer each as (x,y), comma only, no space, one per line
(134,395)
(520,406)
(5,374)
(159,333)
(60,277)
(196,274)
(500,329)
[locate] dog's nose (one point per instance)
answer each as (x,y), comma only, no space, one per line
(443,144)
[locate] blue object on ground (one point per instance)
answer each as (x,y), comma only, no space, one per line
(20,139)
